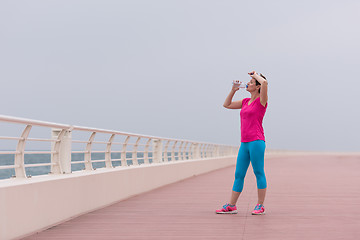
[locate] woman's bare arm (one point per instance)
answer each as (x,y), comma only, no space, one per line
(264,87)
(228,101)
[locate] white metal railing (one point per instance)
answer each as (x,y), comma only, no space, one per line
(135,148)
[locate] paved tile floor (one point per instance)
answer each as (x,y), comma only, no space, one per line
(309,197)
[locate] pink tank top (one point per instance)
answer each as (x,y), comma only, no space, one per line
(251,120)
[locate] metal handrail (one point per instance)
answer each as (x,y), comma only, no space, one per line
(170,149)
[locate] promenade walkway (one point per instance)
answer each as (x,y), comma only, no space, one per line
(309,197)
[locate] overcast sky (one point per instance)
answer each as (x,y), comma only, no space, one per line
(164,68)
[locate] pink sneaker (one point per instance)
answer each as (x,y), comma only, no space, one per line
(258,210)
(227,209)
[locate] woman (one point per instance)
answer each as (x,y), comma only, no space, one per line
(252,147)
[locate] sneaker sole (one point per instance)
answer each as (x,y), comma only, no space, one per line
(258,213)
(230,212)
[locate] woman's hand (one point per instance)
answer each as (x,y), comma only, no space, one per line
(228,101)
(236,84)
(252,73)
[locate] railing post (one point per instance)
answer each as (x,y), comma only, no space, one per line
(187,154)
(165,153)
(108,162)
(87,155)
(213,151)
(123,152)
(216,151)
(62,149)
(157,150)
(203,150)
(134,153)
(146,152)
(196,154)
(173,151)
(180,153)
(19,156)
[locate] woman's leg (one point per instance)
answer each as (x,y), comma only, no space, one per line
(234,197)
(242,164)
(261,196)
(257,153)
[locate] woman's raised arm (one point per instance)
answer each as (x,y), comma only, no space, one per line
(264,87)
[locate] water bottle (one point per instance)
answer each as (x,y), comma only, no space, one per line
(238,84)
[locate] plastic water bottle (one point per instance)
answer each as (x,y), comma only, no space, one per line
(238,84)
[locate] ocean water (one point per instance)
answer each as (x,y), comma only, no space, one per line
(8,159)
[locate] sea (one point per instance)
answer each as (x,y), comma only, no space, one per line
(8,159)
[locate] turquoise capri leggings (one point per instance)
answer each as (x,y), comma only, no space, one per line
(250,152)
